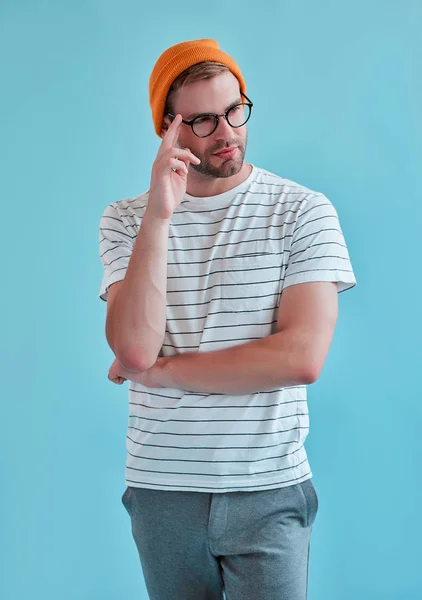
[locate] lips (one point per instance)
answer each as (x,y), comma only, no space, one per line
(227,152)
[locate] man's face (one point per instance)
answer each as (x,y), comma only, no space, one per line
(214,95)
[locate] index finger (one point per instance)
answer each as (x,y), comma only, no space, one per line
(173,131)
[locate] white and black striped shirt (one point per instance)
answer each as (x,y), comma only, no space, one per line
(229,258)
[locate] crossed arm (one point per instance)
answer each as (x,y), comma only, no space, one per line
(294,355)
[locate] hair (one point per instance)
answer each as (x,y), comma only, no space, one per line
(203,70)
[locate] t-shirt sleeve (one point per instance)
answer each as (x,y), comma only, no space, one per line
(318,250)
(115,248)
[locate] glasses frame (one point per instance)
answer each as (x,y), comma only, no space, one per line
(217,117)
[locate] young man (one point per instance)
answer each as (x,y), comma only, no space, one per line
(221,284)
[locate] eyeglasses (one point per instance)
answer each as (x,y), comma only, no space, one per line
(205,124)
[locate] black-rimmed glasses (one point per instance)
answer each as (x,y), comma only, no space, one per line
(204,125)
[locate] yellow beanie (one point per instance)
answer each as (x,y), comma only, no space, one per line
(174,61)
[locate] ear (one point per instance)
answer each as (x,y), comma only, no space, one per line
(165,125)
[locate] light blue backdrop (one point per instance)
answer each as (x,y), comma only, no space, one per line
(337,93)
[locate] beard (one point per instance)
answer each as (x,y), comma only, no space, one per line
(214,167)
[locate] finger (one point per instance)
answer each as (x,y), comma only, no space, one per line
(184,154)
(178,165)
(172,132)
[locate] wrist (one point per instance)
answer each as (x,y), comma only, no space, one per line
(165,369)
(153,220)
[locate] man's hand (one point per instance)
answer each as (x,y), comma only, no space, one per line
(169,174)
(155,377)
(115,373)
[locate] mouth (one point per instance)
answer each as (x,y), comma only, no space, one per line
(227,152)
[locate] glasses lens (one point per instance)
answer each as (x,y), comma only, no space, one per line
(238,115)
(203,126)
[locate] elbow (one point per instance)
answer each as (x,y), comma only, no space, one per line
(309,377)
(131,358)
(136,362)
(310,374)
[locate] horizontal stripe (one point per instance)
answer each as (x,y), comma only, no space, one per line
(201,407)
(218,312)
(217,420)
(318,270)
(206,274)
(222,327)
(214,461)
(221,231)
(216,259)
(203,342)
(164,485)
(186,393)
(324,217)
(280,194)
(223,245)
(219,433)
(214,474)
(216,300)
(222,284)
(190,448)
(294,262)
(325,244)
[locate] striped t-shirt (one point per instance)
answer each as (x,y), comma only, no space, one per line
(229,258)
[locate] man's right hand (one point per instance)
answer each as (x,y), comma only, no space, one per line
(167,186)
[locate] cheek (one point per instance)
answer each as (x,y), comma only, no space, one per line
(190,141)
(200,149)
(243,134)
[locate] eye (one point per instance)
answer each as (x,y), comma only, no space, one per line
(200,120)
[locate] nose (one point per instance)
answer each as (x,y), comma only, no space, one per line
(223,129)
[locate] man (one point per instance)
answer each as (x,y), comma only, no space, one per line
(221,284)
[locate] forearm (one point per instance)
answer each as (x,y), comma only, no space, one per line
(280,360)
(261,365)
(139,313)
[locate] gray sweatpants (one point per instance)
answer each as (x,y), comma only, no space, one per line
(233,545)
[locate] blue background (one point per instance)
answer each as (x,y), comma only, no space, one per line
(337,93)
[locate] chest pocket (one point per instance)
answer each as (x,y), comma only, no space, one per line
(251,280)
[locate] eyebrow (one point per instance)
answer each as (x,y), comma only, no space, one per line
(194,115)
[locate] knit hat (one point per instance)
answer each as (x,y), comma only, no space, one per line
(174,61)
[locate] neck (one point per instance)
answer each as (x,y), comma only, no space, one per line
(200,186)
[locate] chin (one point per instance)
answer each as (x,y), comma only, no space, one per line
(227,169)
(231,168)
